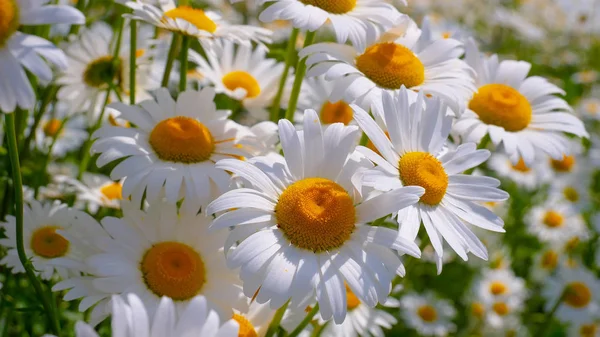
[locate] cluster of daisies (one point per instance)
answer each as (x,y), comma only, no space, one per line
(268,168)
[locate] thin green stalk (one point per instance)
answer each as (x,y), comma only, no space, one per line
(75,28)
(550,314)
(88,143)
(49,155)
(289,57)
(170,60)
(47,98)
(183,63)
(300,72)
(274,325)
(13,152)
(117,46)
(306,321)
(364,139)
(132,60)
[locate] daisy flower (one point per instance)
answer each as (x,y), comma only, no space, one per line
(524,176)
(590,328)
(573,189)
(254,322)
(131,318)
(556,223)
(581,299)
(196,22)
(357,21)
(95,190)
(403,56)
(521,114)
(316,93)
(92,69)
(69,137)
(589,108)
(300,222)
(546,262)
(20,51)
(501,294)
(414,155)
(155,253)
(174,145)
(427,314)
(244,74)
(46,231)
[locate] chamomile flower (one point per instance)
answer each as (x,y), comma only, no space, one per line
(93,69)
(46,229)
(546,262)
(581,299)
(155,253)
(95,190)
(589,108)
(300,222)
(357,21)
(20,51)
(402,56)
(521,114)
(524,176)
(573,189)
(196,22)
(131,318)
(501,295)
(556,223)
(62,138)
(173,147)
(254,321)
(591,328)
(244,74)
(429,315)
(414,155)
(316,93)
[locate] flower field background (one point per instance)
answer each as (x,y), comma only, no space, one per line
(261,168)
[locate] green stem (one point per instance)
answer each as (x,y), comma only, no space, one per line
(300,72)
(48,156)
(170,61)
(274,325)
(289,57)
(75,28)
(117,50)
(132,60)
(550,314)
(364,139)
(88,143)
(47,98)
(13,152)
(306,321)
(183,63)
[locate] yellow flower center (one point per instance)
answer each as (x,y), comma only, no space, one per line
(520,166)
(423,169)
(241,79)
(477,309)
(338,112)
(498,288)
(9,20)
(246,327)
(572,244)
(182,139)
(112,191)
(316,214)
(501,105)
(500,308)
(553,219)
(332,6)
(173,269)
(427,313)
(549,260)
(102,71)
(45,242)
(195,16)
(592,108)
(588,330)
(571,194)
(52,127)
(564,165)
(578,295)
(391,66)
(351,300)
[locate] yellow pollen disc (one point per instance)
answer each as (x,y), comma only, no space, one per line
(45,242)
(446,35)
(571,194)
(112,191)
(351,300)
(182,139)
(588,330)
(498,288)
(549,260)
(500,308)
(173,269)
(195,16)
(140,52)
(592,108)
(52,127)
(501,105)
(316,214)
(332,6)
(391,66)
(423,169)
(246,327)
(572,244)
(427,313)
(9,20)
(578,295)
(520,166)
(241,79)
(564,165)
(553,219)
(102,71)
(477,309)
(338,112)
